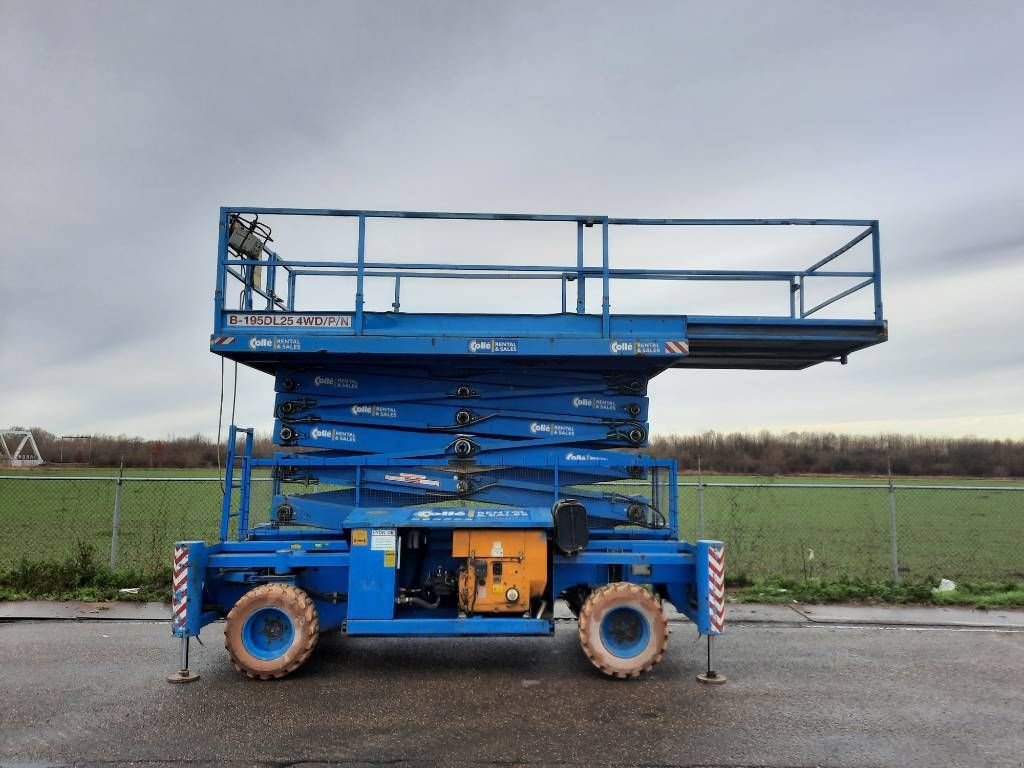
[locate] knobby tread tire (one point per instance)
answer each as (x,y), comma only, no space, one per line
(305,622)
(615,595)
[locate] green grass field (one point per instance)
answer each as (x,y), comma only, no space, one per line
(795,533)
(832,533)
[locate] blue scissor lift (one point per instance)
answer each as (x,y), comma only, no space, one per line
(454,474)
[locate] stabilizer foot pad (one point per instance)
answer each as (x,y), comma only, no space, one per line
(183,676)
(711,678)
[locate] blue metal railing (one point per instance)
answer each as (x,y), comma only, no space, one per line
(235,268)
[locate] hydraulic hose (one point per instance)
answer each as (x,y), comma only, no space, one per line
(418,601)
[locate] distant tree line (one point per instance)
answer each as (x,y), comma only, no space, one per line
(826,453)
(764,453)
(192,452)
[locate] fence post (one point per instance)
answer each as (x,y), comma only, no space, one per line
(700,501)
(117,517)
(892,532)
(700,510)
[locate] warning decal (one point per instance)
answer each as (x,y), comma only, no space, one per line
(383,539)
(359,537)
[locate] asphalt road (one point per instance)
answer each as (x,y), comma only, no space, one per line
(829,696)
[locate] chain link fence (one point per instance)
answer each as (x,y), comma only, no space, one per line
(864,531)
(771,529)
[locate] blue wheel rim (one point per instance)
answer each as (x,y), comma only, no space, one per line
(268,633)
(625,632)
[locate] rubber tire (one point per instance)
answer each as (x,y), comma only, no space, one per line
(305,622)
(621,594)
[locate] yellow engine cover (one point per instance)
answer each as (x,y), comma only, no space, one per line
(504,568)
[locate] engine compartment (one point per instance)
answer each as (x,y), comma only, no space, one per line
(472,571)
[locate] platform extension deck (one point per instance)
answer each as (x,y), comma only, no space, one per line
(260,321)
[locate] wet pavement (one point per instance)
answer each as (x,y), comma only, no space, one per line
(799,695)
(791,613)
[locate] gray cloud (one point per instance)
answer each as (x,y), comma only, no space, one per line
(125,126)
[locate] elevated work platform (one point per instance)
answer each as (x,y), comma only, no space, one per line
(260,318)
(398,410)
(455,470)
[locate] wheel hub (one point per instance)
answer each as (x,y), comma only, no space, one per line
(273,629)
(626,628)
(268,633)
(625,631)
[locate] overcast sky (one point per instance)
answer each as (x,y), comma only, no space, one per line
(124,126)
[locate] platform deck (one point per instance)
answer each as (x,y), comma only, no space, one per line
(264,325)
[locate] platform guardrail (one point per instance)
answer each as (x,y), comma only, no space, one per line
(259,278)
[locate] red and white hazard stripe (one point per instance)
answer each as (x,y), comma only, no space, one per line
(677,347)
(179,588)
(716,589)
(223,340)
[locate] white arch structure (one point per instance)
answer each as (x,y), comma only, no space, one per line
(25,452)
